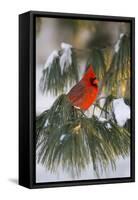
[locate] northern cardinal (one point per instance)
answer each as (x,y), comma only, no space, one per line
(84,93)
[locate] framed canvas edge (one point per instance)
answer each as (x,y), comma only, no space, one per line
(32,100)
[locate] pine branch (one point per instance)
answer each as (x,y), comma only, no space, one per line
(69,139)
(113,79)
(56,80)
(65,135)
(96,58)
(119,70)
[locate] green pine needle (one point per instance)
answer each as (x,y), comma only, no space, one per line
(67,138)
(56,82)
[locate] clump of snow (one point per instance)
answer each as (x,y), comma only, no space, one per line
(65,45)
(108,126)
(117,45)
(102,119)
(97,111)
(46,123)
(89,111)
(51,58)
(121,111)
(65,59)
(62,137)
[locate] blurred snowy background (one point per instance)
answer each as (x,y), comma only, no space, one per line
(50,34)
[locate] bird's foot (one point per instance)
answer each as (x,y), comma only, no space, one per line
(77,107)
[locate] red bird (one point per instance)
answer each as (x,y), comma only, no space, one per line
(84,93)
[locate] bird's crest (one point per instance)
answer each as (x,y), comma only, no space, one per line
(89,73)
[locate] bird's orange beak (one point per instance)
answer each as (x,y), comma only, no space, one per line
(96,81)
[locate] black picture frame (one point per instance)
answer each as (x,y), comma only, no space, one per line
(27,99)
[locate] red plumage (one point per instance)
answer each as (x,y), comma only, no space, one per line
(84,93)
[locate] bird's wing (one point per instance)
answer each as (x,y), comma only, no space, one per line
(77,92)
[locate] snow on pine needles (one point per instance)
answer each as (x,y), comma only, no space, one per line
(121,111)
(51,59)
(66,57)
